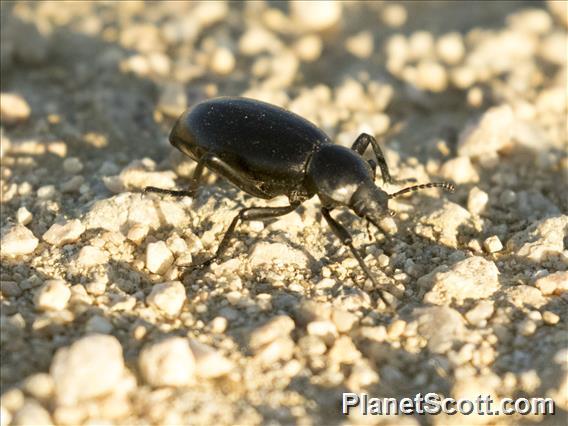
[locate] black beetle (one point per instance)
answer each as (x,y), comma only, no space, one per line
(268,151)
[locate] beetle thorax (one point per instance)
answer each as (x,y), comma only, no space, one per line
(335,173)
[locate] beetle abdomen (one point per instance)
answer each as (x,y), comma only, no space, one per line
(268,143)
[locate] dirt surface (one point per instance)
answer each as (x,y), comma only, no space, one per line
(99,322)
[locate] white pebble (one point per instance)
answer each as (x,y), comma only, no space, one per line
(480,312)
(137,233)
(61,234)
(46,192)
(316,15)
(52,295)
(309,47)
(40,386)
(168,297)
(158,257)
(459,170)
(450,48)
(72,165)
(394,15)
(32,413)
(431,76)
(14,108)
(168,363)
(277,327)
(91,256)
(219,325)
(98,324)
(477,200)
(324,329)
(550,318)
(551,282)
(209,362)
(492,244)
(282,254)
(223,61)
(23,216)
(92,366)
(489,134)
(360,45)
(18,241)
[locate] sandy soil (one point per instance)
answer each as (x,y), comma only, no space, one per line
(99,322)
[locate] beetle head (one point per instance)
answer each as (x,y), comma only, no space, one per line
(340,176)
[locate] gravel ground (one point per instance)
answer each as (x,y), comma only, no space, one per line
(100,326)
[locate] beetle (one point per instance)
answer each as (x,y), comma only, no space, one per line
(267,151)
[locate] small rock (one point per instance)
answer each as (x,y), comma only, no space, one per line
(324,329)
(491,133)
(91,256)
(97,287)
(52,295)
(98,324)
(72,165)
(281,349)
(223,61)
(540,240)
(209,362)
(396,329)
(10,288)
(523,295)
(450,48)
(550,318)
(90,367)
(268,253)
(527,327)
(23,216)
(343,320)
(168,363)
(474,277)
(550,283)
(344,351)
(46,192)
(137,233)
(32,413)
(14,109)
(18,241)
(61,234)
(309,47)
(277,327)
(446,219)
(168,297)
(173,99)
(394,15)
(316,15)
(477,200)
(219,325)
(40,386)
(459,170)
(360,45)
(492,244)
(158,257)
(431,76)
(480,312)
(440,325)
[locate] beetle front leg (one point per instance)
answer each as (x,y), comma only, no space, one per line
(362,143)
(343,234)
(250,213)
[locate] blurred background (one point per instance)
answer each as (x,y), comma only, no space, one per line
(473,92)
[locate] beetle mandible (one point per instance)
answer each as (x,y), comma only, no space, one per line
(267,151)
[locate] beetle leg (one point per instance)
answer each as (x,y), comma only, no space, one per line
(250,213)
(362,143)
(196,179)
(343,234)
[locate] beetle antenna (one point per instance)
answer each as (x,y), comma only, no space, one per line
(444,185)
